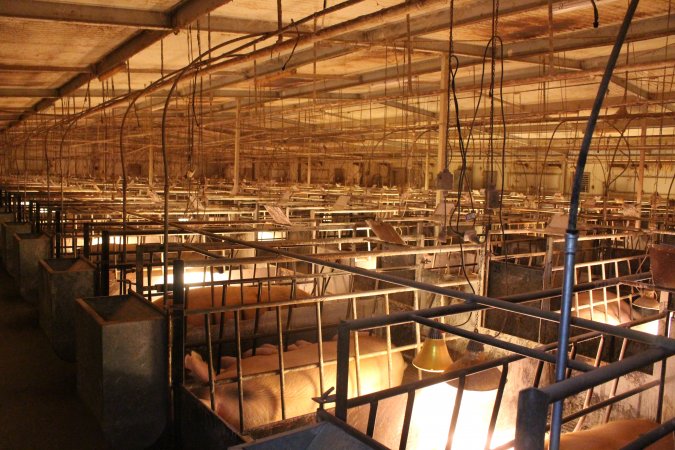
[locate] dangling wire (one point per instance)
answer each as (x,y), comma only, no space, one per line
(596,16)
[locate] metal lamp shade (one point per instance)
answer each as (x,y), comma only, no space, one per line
(434,356)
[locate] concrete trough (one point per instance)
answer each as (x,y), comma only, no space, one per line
(9,255)
(122,367)
(62,281)
(30,248)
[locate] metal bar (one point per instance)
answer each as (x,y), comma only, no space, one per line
(667,324)
(615,384)
(256,319)
(371,418)
(455,411)
(87,241)
(537,374)
(177,335)
(38,220)
(290,309)
(19,208)
(324,298)
(357,354)
(221,330)
(57,232)
(73,241)
(342,372)
(150,268)
(662,383)
(497,405)
(572,356)
(562,362)
(406,420)
(209,347)
(589,393)
(240,388)
(223,302)
(105,262)
(387,329)
(280,353)
(139,269)
(30,215)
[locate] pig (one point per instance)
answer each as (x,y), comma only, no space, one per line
(613,436)
(262,398)
(206,298)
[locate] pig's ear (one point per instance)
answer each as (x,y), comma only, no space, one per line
(196,365)
(189,363)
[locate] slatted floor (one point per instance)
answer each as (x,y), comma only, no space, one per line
(39,408)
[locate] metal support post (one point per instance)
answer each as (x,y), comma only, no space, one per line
(177,342)
(105,263)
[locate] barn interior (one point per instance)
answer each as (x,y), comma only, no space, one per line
(347,223)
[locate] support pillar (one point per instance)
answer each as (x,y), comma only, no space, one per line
(426,170)
(237,143)
(641,171)
(151,166)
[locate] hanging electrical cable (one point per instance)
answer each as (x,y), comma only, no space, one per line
(596,15)
(451,88)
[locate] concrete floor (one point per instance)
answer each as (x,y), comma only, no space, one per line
(39,407)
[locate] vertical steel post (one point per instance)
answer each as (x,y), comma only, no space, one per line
(38,224)
(177,343)
(139,269)
(531,419)
(342,374)
(564,329)
(105,262)
(19,208)
(57,232)
(30,216)
(87,240)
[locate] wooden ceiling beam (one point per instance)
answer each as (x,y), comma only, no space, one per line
(659,27)
(184,14)
(128,18)
(28,93)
